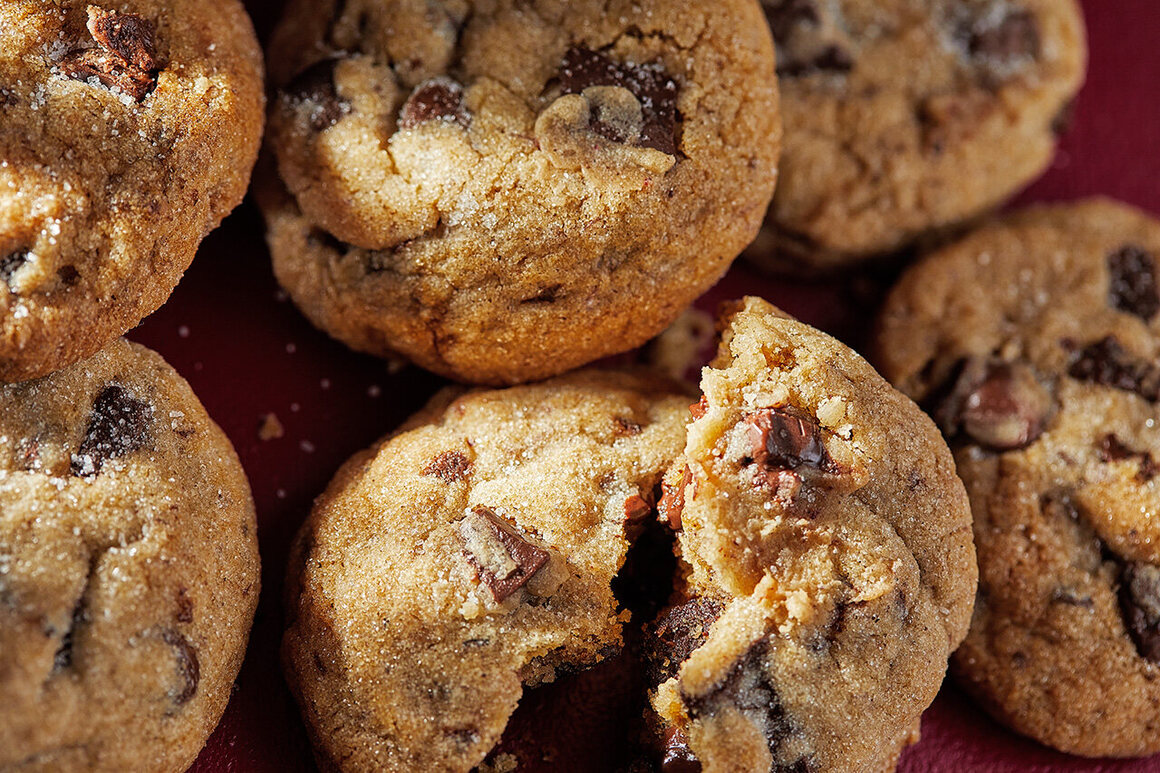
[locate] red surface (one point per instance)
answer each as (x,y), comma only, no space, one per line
(248,353)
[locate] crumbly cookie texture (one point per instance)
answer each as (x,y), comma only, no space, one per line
(1034,342)
(128,568)
(829,565)
(904,117)
(503,191)
(127,132)
(467,556)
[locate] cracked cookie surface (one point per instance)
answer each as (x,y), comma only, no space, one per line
(829,570)
(502,191)
(128,568)
(1034,342)
(466,556)
(127,132)
(904,117)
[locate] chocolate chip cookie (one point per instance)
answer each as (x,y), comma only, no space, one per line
(128,568)
(467,556)
(127,132)
(907,116)
(1034,343)
(829,569)
(505,191)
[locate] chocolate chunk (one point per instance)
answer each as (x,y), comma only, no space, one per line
(449,466)
(677,757)
(1132,282)
(636,512)
(129,36)
(314,87)
(1005,410)
(653,88)
(11,262)
(118,425)
(747,688)
(786,438)
(1106,363)
(1112,450)
(999,405)
(784,15)
(503,559)
(677,631)
(188,669)
(833,59)
(125,59)
(1014,37)
(672,501)
(439,99)
(1140,607)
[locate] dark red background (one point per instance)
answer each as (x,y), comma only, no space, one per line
(248,352)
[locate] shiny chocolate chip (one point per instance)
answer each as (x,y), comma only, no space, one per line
(786,438)
(503,558)
(650,84)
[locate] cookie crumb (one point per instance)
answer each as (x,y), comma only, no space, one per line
(270,428)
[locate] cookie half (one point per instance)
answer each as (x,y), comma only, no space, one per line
(467,556)
(504,191)
(904,118)
(1034,342)
(128,132)
(128,568)
(829,570)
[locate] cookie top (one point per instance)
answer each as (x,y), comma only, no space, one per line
(127,132)
(830,571)
(903,116)
(471,553)
(503,191)
(1034,342)
(128,568)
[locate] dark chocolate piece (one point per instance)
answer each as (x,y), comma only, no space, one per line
(503,559)
(118,425)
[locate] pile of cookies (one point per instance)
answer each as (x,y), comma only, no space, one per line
(504,193)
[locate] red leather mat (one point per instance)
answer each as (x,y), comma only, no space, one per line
(248,353)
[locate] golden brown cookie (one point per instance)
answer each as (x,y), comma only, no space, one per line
(127,132)
(128,568)
(467,556)
(1034,342)
(504,191)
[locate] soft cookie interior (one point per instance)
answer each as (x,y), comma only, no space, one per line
(828,559)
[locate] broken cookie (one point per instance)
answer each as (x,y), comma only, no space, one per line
(469,557)
(828,565)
